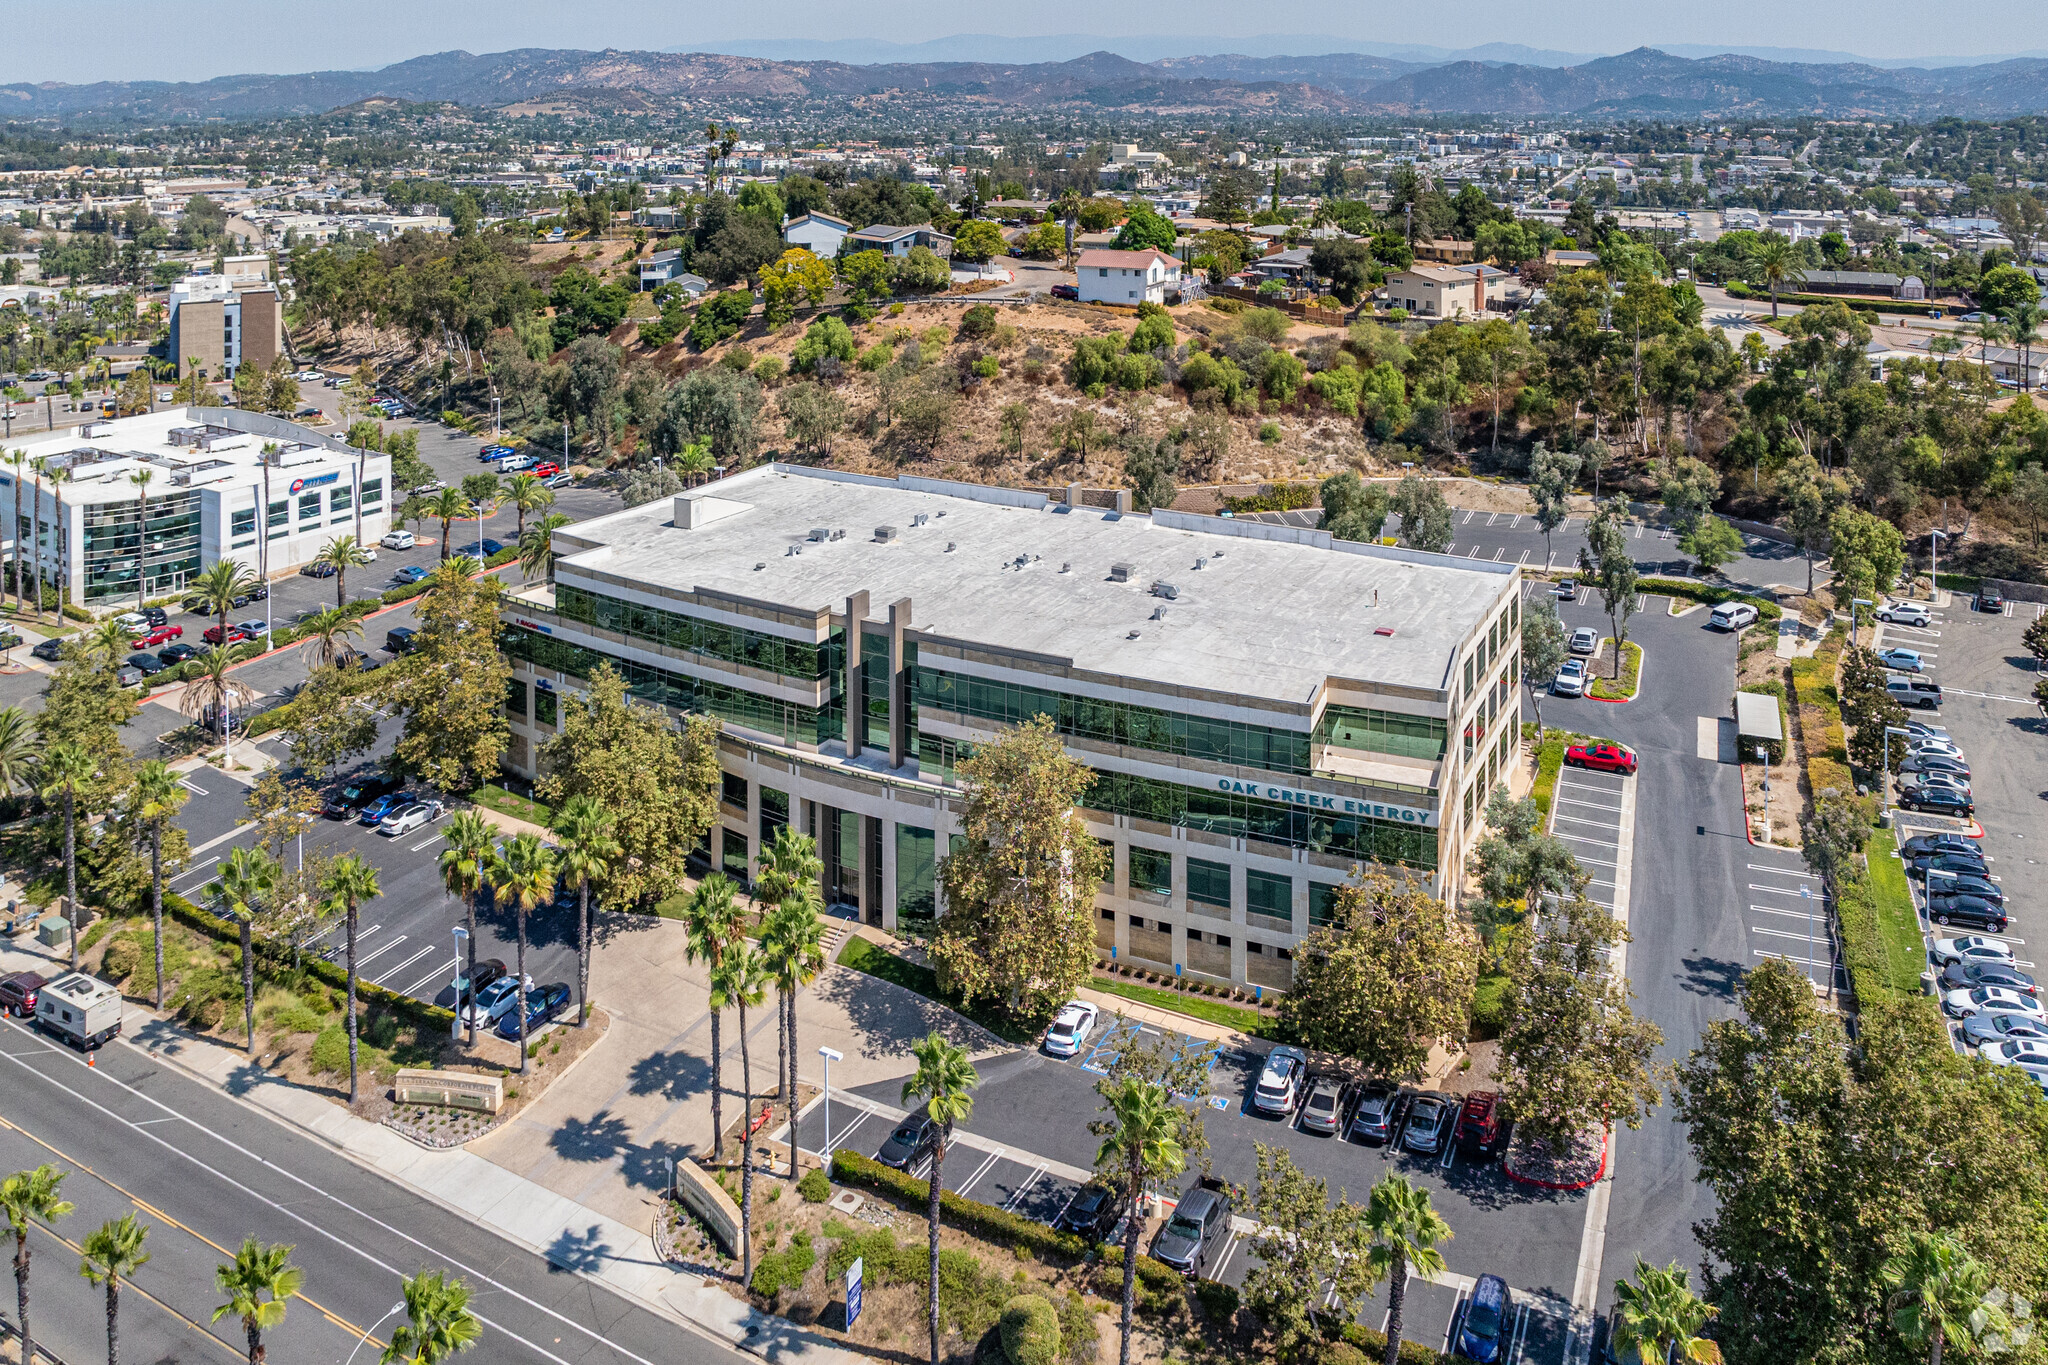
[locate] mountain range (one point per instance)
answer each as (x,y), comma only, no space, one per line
(1644,83)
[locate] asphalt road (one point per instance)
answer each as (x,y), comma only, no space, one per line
(204,1171)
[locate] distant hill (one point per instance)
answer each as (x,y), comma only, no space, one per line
(1646,82)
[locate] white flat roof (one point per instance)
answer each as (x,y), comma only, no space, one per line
(100,463)
(1271,612)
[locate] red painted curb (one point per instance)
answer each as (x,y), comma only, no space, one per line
(1568,1187)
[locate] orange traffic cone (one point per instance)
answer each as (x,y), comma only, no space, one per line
(92,1059)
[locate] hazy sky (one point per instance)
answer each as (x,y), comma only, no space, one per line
(88,40)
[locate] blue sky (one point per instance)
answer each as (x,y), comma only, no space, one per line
(88,40)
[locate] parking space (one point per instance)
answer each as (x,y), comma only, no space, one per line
(1587,814)
(1787,917)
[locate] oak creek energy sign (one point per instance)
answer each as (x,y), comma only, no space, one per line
(1320,801)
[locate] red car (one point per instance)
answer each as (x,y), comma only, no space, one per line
(161,635)
(1480,1126)
(235,635)
(1606,758)
(546,469)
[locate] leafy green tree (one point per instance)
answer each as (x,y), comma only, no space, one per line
(1517,863)
(827,336)
(1313,1254)
(438,1321)
(713,404)
(1606,561)
(1811,500)
(1551,476)
(1405,1232)
(1544,650)
(1390,974)
(1020,886)
(348,885)
(920,270)
(977,240)
(28,1198)
(259,1283)
(1425,516)
(1867,554)
(450,688)
(1346,263)
(1145,229)
(1660,1317)
(2004,287)
(1352,508)
(944,1081)
(1711,542)
(111,1253)
(812,415)
(1688,490)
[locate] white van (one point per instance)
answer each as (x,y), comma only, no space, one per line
(82,1010)
(1733,616)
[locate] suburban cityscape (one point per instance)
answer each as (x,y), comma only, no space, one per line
(1023,701)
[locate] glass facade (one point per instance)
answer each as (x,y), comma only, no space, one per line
(1345,836)
(1383,732)
(1269,896)
(673,630)
(1151,871)
(118,543)
(1209,882)
(874,689)
(917,872)
(1322,904)
(544,708)
(774,813)
(515,698)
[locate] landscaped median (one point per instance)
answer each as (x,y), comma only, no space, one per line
(1706,594)
(1608,688)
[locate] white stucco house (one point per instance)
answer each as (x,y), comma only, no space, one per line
(1126,277)
(820,233)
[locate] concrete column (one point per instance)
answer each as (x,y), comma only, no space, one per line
(888,906)
(753,825)
(900,736)
(856,612)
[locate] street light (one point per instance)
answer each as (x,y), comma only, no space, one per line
(395,1308)
(1807,893)
(455,1025)
(1884,779)
(830,1057)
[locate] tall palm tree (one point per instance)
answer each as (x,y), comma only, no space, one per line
(469,837)
(740,980)
(141,479)
(1143,1137)
(585,848)
(437,1323)
(2023,321)
(1405,1231)
(522,876)
(537,547)
(29,1197)
(35,528)
(1660,1316)
(1775,260)
(800,934)
(246,880)
(329,630)
(106,642)
(59,475)
(712,924)
(213,691)
(15,460)
(218,587)
(19,748)
(1989,333)
(259,1283)
(66,769)
(1940,1293)
(348,884)
(113,1253)
(341,554)
(789,874)
(944,1080)
(159,794)
(527,493)
(447,507)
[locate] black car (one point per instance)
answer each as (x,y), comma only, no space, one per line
(1424,1131)
(1968,976)
(48,650)
(156,616)
(1091,1214)
(257,593)
(1377,1111)
(910,1144)
(1195,1230)
(487,971)
(1921,844)
(198,606)
(1968,884)
(1322,1110)
(149,663)
(1962,862)
(1989,598)
(177,653)
(1936,800)
(543,1006)
(314,571)
(399,639)
(1972,912)
(358,792)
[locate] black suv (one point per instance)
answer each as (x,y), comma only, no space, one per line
(1091,1214)
(1195,1230)
(1972,912)
(1989,598)
(358,792)
(910,1144)
(399,639)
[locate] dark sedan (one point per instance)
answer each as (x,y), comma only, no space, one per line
(1936,800)
(487,971)
(1424,1131)
(1921,845)
(1963,884)
(148,663)
(1959,862)
(548,1003)
(177,654)
(1091,1213)
(1989,1030)
(1968,976)
(910,1144)
(1374,1117)
(1972,912)
(48,650)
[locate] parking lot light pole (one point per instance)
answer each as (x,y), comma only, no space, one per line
(830,1056)
(455,1027)
(1884,779)
(1934,539)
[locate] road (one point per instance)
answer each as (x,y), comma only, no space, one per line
(204,1171)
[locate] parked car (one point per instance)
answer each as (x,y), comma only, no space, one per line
(1954,782)
(1571,679)
(1279,1085)
(557,480)
(1374,1116)
(1567,590)
(496,452)
(173,655)
(1968,976)
(1991,1000)
(1585,640)
(543,1007)
(149,663)
(50,650)
(156,616)
(1973,948)
(1194,1231)
(487,971)
(213,635)
(390,801)
(1988,1030)
(1937,800)
(1322,1109)
(1424,1131)
(1973,912)
(1904,660)
(1989,598)
(133,622)
(18,994)
(358,792)
(510,463)
(1930,744)
(1732,616)
(1487,1313)
(546,469)
(405,819)
(1923,729)
(1904,614)
(1606,758)
(910,1144)
(1070,1028)
(1946,884)
(1907,690)
(2031,1052)
(1935,763)
(398,640)
(399,540)
(1481,1132)
(1959,860)
(256,629)
(1066,291)
(1091,1214)
(493,1001)
(160,635)
(1932,843)
(317,570)
(409,575)
(480,549)
(128,675)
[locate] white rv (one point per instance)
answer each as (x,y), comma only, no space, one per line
(80,1009)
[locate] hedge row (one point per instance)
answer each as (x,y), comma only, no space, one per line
(1374,1345)
(1819,706)
(983,1220)
(1743,291)
(1709,595)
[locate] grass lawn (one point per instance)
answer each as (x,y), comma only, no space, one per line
(1898,925)
(1631,669)
(863,956)
(493,797)
(1549,760)
(1196,1006)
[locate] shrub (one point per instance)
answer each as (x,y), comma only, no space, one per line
(1030,1331)
(719,317)
(297,1017)
(330,1050)
(987,367)
(768,369)
(124,955)
(1159,1286)
(1340,1353)
(739,360)
(828,336)
(1374,1346)
(1269,325)
(977,322)
(785,1269)
(876,356)
(814,1187)
(1269,432)
(1218,1300)
(983,1220)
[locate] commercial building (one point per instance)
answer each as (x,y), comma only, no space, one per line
(209,477)
(1264,708)
(221,322)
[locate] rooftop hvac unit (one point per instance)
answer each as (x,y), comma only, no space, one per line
(1165,589)
(1121,573)
(887,535)
(819,534)
(93,431)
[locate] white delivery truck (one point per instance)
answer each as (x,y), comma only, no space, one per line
(83,1011)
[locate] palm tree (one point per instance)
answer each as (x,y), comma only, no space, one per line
(66,769)
(159,795)
(141,479)
(349,882)
(741,979)
(943,1080)
(537,547)
(469,838)
(447,507)
(35,527)
(259,1283)
(16,459)
(800,939)
(522,875)
(1660,1316)
(585,847)
(1776,261)
(329,629)
(218,587)
(1405,1231)
(438,1321)
(107,642)
(247,877)
(2023,322)
(341,554)
(112,1254)
(789,874)
(712,924)
(1143,1138)
(28,1197)
(1940,1293)
(213,691)
(58,476)
(527,493)
(1989,333)
(19,748)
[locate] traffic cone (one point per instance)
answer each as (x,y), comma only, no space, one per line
(92,1059)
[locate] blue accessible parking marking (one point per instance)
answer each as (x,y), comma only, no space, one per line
(1111,1045)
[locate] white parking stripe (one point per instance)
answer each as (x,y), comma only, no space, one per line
(362,961)
(426,843)
(980,1171)
(434,975)
(394,971)
(1793,957)
(1590,805)
(1582,820)
(1017,1196)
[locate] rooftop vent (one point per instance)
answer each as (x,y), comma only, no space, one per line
(839,534)
(1383,630)
(1132,636)
(792,550)
(1202,563)
(819,535)
(1159,613)
(1165,589)
(760,566)
(920,519)
(1066,566)
(950,547)
(1121,573)
(887,535)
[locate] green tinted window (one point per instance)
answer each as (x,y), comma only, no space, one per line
(1209,882)
(1322,903)
(1269,893)
(1151,870)
(916,872)
(673,630)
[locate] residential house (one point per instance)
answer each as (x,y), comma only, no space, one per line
(1290,267)
(819,233)
(2006,366)
(1447,250)
(658,269)
(897,241)
(1868,283)
(1127,277)
(1449,291)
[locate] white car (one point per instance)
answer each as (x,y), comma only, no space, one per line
(1070,1028)
(399,540)
(512,462)
(1571,679)
(409,818)
(494,1000)
(1279,1086)
(309,376)
(2032,1052)
(1972,948)
(1991,1000)
(165,395)
(133,622)
(1931,748)
(1585,640)
(1904,613)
